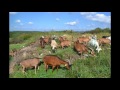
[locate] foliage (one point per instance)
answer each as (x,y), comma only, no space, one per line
(99,30)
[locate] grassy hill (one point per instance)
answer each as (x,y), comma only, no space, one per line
(91,67)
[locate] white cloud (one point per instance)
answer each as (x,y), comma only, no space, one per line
(57,19)
(71,23)
(18,21)
(87,13)
(94,16)
(30,22)
(12,12)
(100,18)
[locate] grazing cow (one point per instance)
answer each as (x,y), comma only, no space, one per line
(83,40)
(94,43)
(47,40)
(104,41)
(30,63)
(42,42)
(54,61)
(81,48)
(62,38)
(54,45)
(65,43)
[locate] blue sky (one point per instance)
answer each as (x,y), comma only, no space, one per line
(45,21)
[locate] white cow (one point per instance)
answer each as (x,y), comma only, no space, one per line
(94,43)
(54,45)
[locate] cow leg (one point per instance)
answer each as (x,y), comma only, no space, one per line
(53,68)
(81,55)
(45,67)
(35,68)
(23,70)
(57,68)
(38,67)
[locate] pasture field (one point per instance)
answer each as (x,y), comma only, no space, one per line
(90,67)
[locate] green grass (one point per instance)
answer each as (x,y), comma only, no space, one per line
(16,46)
(91,67)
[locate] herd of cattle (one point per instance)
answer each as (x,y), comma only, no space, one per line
(83,46)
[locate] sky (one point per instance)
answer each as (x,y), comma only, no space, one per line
(45,21)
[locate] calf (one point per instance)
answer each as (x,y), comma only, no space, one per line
(54,45)
(81,48)
(62,38)
(42,42)
(30,63)
(65,43)
(54,61)
(83,40)
(94,43)
(104,41)
(47,40)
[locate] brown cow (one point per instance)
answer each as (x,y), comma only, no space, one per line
(30,63)
(42,42)
(81,48)
(47,40)
(54,61)
(62,38)
(83,40)
(65,43)
(104,41)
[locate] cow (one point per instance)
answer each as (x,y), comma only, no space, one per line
(47,40)
(93,43)
(30,63)
(81,48)
(104,41)
(54,61)
(54,45)
(84,40)
(65,43)
(62,38)
(42,42)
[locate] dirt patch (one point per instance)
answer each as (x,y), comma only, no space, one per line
(24,53)
(28,52)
